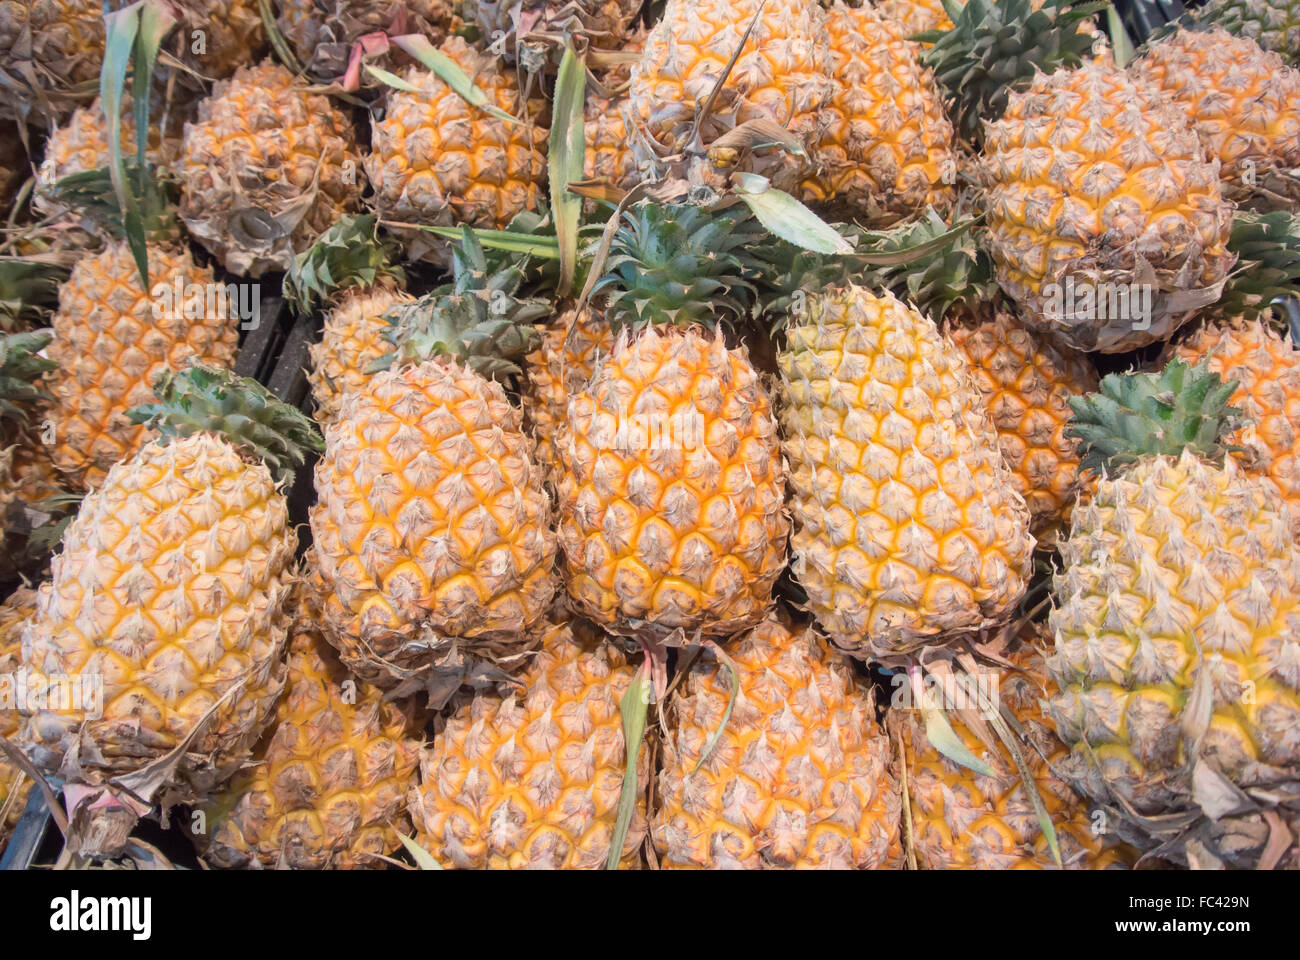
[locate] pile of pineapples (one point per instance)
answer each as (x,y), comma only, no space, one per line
(704,471)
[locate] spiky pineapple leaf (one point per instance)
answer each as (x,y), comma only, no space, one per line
(134,35)
(348,254)
(1134,415)
(21,366)
(206,399)
(480,319)
(786,217)
(423,858)
(29,290)
(1268,264)
(447,70)
(634,708)
(565,156)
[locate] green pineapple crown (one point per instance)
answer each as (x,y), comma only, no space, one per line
(92,194)
(997,45)
(205,399)
(1268,265)
(1273,24)
(480,319)
(29,290)
(20,369)
(1136,415)
(349,254)
(680,264)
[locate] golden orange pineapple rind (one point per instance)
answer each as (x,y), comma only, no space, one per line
(328,784)
(531,776)
(773,759)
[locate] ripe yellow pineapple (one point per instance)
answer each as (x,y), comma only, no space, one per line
(432,526)
(112,340)
(531,777)
(1175,616)
(965,819)
(571,346)
(783,77)
(169,593)
(908,526)
(332,773)
(671,482)
(799,776)
(266,169)
(1026,378)
(1243,102)
(915,16)
(14,784)
(436,160)
(1095,179)
(349,270)
(322,33)
(1266,369)
(886,150)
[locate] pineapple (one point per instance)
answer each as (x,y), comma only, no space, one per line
(799,775)
(908,528)
(1175,622)
(14,784)
(503,24)
(323,33)
(167,600)
(437,160)
(965,819)
(1273,24)
(80,144)
(571,347)
(887,151)
(671,483)
(1243,102)
(915,16)
(531,778)
(1266,369)
(783,78)
(1096,180)
(329,787)
(1024,375)
(432,526)
(111,342)
(266,169)
(53,51)
(350,269)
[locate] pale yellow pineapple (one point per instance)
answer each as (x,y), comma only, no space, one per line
(332,773)
(266,169)
(436,160)
(609,150)
(908,527)
(1095,179)
(530,777)
(799,776)
(169,593)
(112,340)
(1175,618)
(886,151)
(1243,102)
